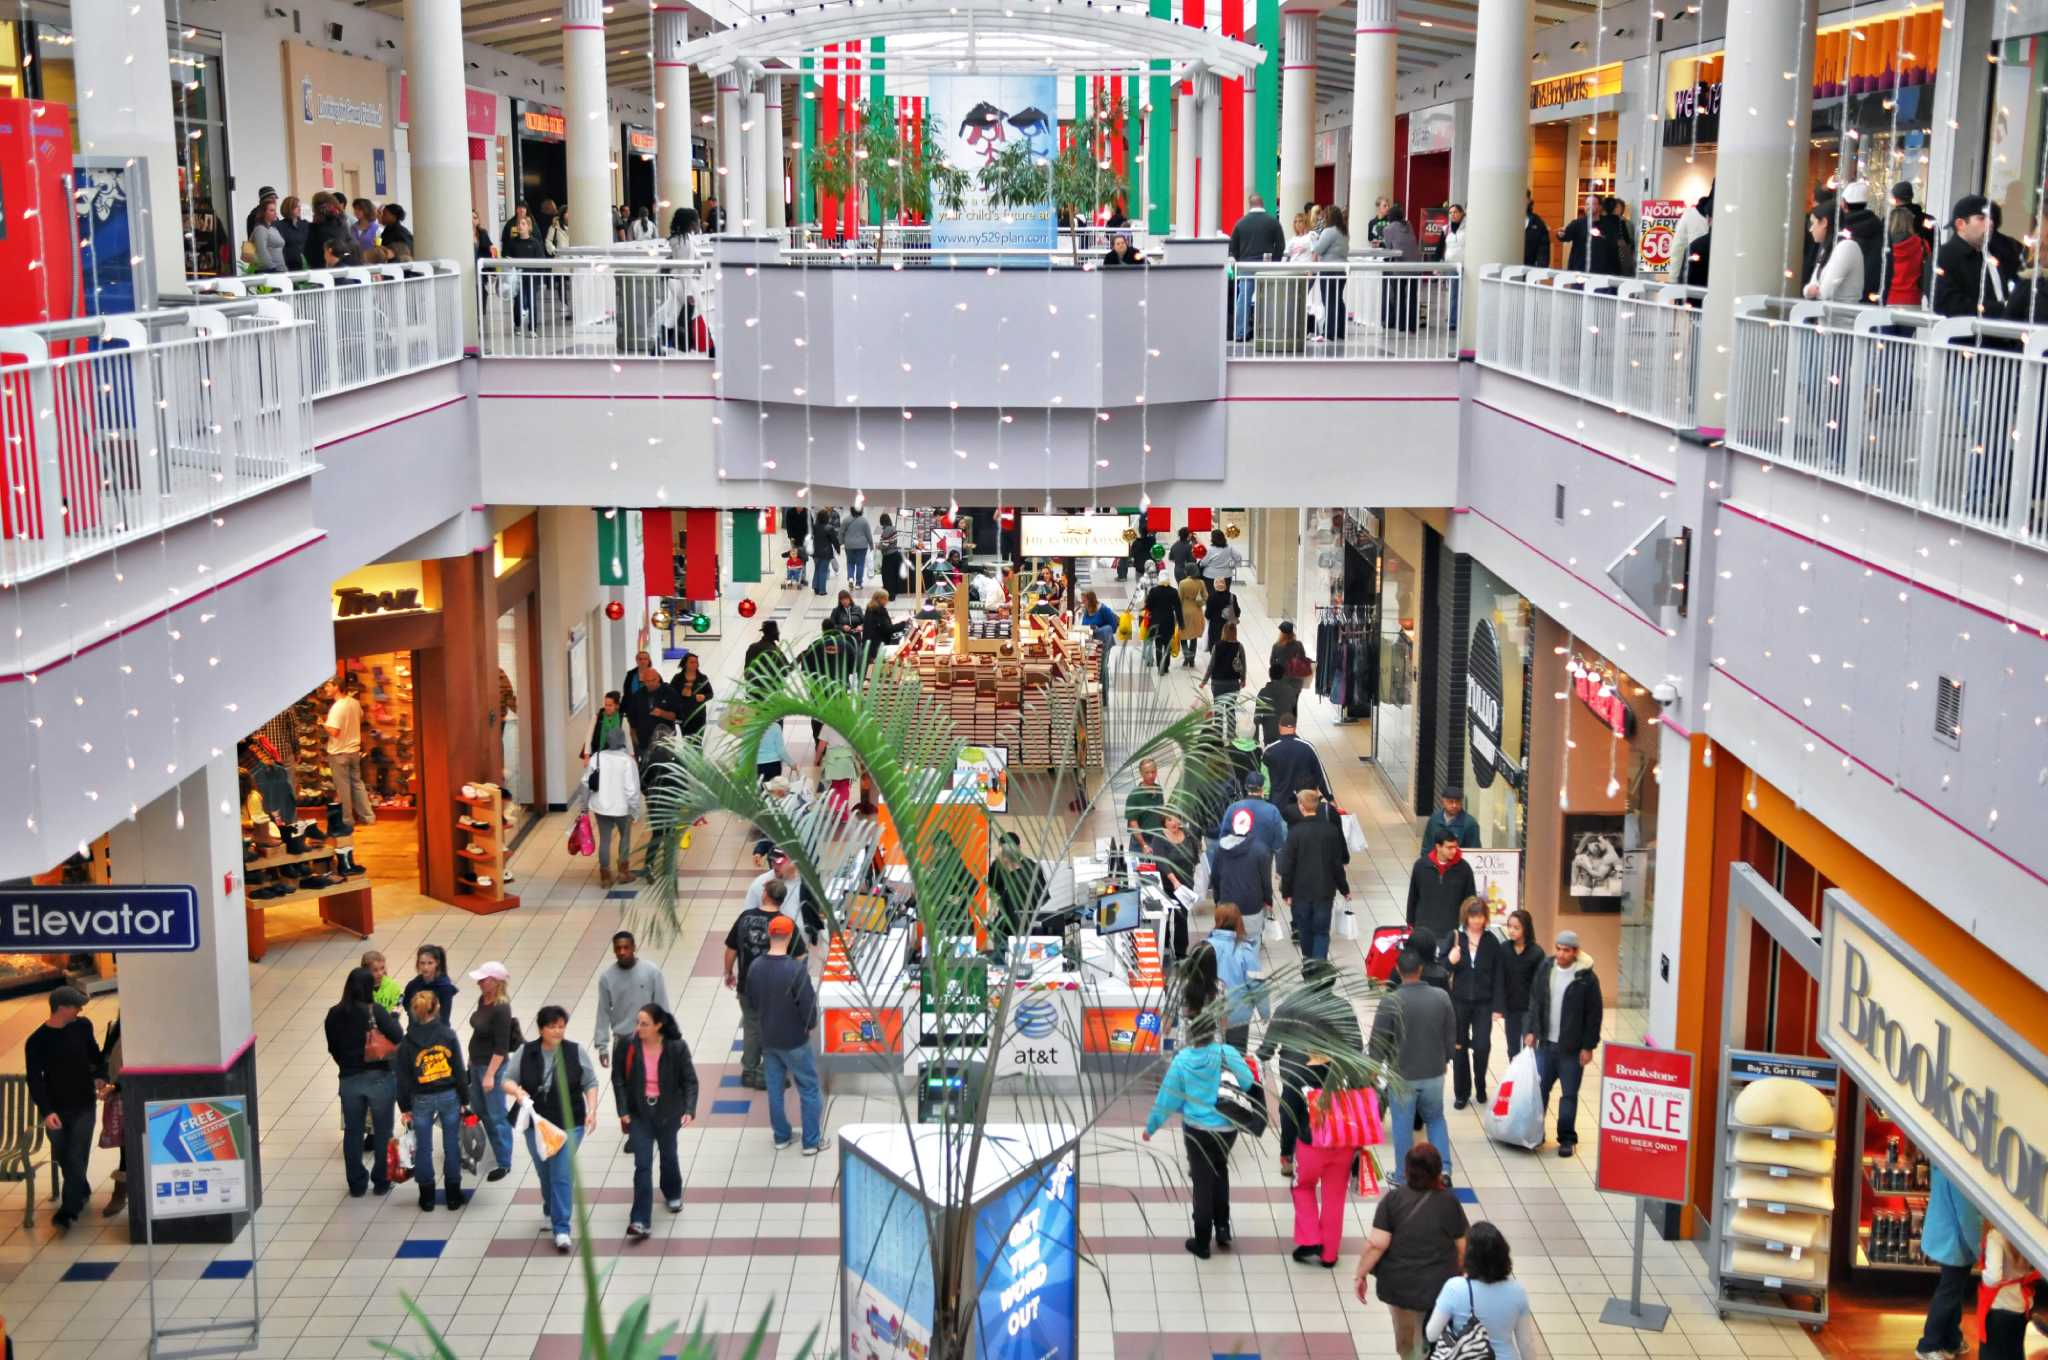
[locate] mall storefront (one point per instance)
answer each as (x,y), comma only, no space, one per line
(1825,970)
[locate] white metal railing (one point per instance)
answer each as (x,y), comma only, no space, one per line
(1087,241)
(595,308)
(113,428)
(1627,343)
(1949,416)
(1356,309)
(368,324)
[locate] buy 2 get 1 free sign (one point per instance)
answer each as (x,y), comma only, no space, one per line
(1646,1126)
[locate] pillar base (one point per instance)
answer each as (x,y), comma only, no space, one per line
(140,1086)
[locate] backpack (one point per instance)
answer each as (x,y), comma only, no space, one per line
(1469,1342)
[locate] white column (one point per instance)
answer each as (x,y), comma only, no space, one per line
(1500,149)
(1767,92)
(1297,111)
(1209,184)
(729,151)
(1372,108)
(122,63)
(757,156)
(586,115)
(778,146)
(672,121)
(1187,142)
(439,143)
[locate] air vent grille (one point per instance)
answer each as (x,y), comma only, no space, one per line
(1948,712)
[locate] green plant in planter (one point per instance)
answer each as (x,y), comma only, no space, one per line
(876,163)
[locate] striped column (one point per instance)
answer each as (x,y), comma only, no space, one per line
(673,124)
(1297,111)
(1266,134)
(1372,107)
(586,118)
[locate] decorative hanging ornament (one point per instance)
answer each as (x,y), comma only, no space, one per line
(748,608)
(1198,552)
(614,611)
(1130,535)
(1232,530)
(1158,552)
(700,623)
(659,619)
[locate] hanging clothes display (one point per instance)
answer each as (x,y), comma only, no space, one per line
(1347,658)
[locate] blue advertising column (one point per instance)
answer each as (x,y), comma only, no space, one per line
(185,1017)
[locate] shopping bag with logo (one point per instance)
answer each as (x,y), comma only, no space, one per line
(1244,1107)
(398,1156)
(1515,1115)
(1384,949)
(113,1119)
(472,1142)
(1368,1174)
(1468,1341)
(548,1136)
(1343,1119)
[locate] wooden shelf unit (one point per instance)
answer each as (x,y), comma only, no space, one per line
(485,803)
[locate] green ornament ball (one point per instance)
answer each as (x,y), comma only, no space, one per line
(1158,552)
(700,623)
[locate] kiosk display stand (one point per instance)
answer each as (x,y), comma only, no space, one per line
(196,1164)
(1774,1193)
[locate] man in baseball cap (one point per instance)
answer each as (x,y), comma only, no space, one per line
(1564,1029)
(779,990)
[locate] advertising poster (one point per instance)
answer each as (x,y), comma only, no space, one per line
(974,117)
(1025,1247)
(113,257)
(1658,234)
(1497,877)
(886,1266)
(198,1156)
(377,171)
(1645,1122)
(984,773)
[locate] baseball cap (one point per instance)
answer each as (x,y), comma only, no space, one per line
(1568,939)
(782,925)
(1856,192)
(493,969)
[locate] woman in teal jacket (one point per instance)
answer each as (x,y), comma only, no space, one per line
(1189,1090)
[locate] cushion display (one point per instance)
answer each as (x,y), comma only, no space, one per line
(1764,1188)
(1801,1154)
(1794,1230)
(1772,1264)
(1782,1103)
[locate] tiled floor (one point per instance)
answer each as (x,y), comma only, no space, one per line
(757,1233)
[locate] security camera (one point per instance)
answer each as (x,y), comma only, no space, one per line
(1665,692)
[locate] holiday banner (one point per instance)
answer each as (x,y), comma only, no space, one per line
(975,116)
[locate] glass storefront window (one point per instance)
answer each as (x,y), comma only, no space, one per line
(1495,786)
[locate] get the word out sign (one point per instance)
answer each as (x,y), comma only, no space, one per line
(1645,1121)
(157,919)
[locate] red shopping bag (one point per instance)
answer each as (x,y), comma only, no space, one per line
(1382,950)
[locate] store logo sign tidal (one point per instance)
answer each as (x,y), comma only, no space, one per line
(1483,703)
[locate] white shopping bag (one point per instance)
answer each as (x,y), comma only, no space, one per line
(1354,835)
(1347,924)
(1185,896)
(1274,932)
(405,1145)
(1515,1114)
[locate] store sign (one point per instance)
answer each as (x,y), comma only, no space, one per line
(1044,1033)
(1966,1089)
(1483,704)
(1695,116)
(639,140)
(1432,129)
(1580,85)
(350,602)
(1657,240)
(1601,696)
(158,919)
(1075,535)
(545,123)
(479,108)
(1645,1122)
(198,1155)
(315,107)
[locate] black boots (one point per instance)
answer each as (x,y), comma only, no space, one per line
(337,822)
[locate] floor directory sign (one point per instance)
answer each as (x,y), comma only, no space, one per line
(198,1152)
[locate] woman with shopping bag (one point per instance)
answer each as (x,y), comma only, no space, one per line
(546,1066)
(1341,1121)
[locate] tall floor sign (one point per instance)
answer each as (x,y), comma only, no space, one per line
(196,1154)
(975,116)
(1645,1151)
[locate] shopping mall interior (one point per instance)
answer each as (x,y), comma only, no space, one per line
(480,476)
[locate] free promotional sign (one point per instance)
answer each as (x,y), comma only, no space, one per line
(198,1156)
(1645,1121)
(157,919)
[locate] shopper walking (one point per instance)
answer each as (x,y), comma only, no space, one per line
(65,1074)
(1336,1121)
(1301,1020)
(1414,1032)
(654,1084)
(1225,677)
(794,905)
(361,1037)
(1189,1090)
(610,789)
(1563,1026)
(344,724)
(1478,963)
(1312,874)
(1221,561)
(858,538)
(1257,237)
(1488,1291)
(1162,620)
(1450,815)
(430,974)
(433,1093)
(1948,1238)
(780,991)
(1194,616)
(1330,250)
(1416,1244)
(493,1035)
(110,1094)
(1269,828)
(630,983)
(1291,656)
(1521,956)
(1438,884)
(746,943)
(693,698)
(824,546)
(1241,874)
(877,629)
(1181,555)
(541,1071)
(1238,980)
(1291,767)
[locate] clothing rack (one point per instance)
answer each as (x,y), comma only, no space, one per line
(1347,657)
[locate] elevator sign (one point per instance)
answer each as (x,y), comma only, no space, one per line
(155,919)
(1645,1121)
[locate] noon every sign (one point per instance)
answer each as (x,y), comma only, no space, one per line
(159,919)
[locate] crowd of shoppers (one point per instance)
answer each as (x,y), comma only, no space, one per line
(326,231)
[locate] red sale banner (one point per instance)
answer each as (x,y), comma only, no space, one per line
(1645,1122)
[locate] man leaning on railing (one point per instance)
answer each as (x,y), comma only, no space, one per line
(1257,236)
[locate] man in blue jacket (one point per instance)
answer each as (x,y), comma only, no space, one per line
(1451,816)
(1269,828)
(1949,1237)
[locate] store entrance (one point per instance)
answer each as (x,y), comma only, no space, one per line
(543,172)
(389,848)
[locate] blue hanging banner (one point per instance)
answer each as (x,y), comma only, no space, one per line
(153,919)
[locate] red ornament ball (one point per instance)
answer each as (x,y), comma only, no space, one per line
(748,608)
(1198,552)
(614,611)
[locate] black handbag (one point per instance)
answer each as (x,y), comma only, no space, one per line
(1244,1107)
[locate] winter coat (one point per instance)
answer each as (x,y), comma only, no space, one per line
(1190,1086)
(1435,892)
(1268,827)
(1291,766)
(1908,264)
(1517,977)
(1868,230)
(1241,872)
(1312,863)
(618,784)
(1194,600)
(1237,977)
(675,1082)
(1162,610)
(1479,977)
(1579,1026)
(1221,563)
(1839,276)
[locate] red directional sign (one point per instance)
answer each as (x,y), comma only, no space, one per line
(1645,1122)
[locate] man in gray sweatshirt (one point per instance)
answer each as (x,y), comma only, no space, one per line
(630,983)
(1415,1029)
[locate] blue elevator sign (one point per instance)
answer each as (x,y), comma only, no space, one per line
(152,919)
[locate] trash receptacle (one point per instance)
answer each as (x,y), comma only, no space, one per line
(1280,310)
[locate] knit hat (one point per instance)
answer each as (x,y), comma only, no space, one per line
(1567,939)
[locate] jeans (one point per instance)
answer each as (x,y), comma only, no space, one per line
(1312,928)
(643,1137)
(1954,1291)
(607,828)
(1333,306)
(821,572)
(442,1110)
(349,789)
(367,1096)
(1561,1067)
(1320,1174)
(1209,1176)
(70,1150)
(1474,1031)
(491,1109)
(1187,651)
(856,567)
(1514,1024)
(750,1039)
(1241,309)
(799,1066)
(1425,1098)
(556,1175)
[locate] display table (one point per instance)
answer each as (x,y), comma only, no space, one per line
(1025,694)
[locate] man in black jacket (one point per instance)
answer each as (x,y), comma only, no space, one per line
(1866,228)
(1257,236)
(1162,617)
(1312,874)
(1438,885)
(1966,283)
(1535,236)
(1564,1029)
(1292,765)
(65,1075)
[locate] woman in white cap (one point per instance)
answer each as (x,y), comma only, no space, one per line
(493,1035)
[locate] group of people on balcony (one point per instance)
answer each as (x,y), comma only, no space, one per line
(281,237)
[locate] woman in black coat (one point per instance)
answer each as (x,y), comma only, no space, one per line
(1220,608)
(693,692)
(656,1047)
(1478,963)
(877,629)
(1521,956)
(1225,676)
